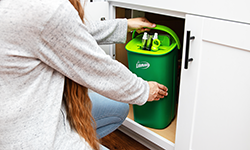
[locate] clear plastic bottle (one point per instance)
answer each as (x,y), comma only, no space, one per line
(144,41)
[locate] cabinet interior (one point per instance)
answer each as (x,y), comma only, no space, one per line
(177,25)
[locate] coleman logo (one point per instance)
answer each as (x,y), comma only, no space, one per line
(142,64)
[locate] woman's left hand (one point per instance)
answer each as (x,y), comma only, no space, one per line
(139,24)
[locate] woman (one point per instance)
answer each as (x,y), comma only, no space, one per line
(44,42)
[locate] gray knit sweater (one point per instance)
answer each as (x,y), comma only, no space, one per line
(41,42)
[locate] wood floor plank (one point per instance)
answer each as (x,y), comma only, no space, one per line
(117,140)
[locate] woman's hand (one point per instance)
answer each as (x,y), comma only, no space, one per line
(139,24)
(156,91)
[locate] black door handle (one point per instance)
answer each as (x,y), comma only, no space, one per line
(187,59)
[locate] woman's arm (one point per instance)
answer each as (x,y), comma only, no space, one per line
(115,31)
(70,49)
(108,31)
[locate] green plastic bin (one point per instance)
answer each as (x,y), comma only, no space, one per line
(160,66)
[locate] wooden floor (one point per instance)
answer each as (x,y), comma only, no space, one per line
(117,140)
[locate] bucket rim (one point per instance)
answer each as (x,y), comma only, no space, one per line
(172,47)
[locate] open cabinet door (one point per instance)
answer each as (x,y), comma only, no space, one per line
(214,100)
(95,11)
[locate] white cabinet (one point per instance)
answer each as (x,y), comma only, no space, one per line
(214,100)
(214,97)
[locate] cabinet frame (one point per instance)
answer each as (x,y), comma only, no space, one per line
(187,108)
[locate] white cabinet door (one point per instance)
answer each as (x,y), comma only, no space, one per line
(96,11)
(214,102)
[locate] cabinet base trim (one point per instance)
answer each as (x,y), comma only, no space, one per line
(145,136)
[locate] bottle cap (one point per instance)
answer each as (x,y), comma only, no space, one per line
(155,36)
(145,36)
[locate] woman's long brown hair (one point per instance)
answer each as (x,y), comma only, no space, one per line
(78,104)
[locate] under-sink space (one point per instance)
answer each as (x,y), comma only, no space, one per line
(177,25)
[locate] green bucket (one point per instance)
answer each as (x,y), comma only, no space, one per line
(160,66)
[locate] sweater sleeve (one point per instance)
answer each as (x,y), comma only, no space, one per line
(108,31)
(70,49)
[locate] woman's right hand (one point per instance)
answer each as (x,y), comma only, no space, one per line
(156,91)
(139,24)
